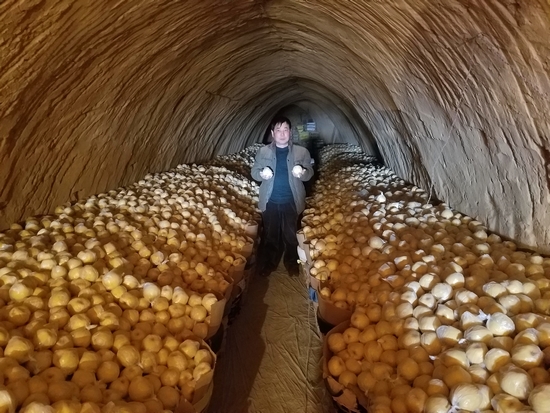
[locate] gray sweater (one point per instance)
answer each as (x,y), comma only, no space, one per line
(297,155)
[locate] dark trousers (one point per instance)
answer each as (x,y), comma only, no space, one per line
(280,223)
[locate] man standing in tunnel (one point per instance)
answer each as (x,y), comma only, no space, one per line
(282,168)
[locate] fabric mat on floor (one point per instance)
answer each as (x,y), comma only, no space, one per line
(271,362)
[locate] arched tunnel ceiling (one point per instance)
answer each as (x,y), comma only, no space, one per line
(455,93)
(260,109)
(331,127)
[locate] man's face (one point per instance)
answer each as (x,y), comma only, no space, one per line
(281,134)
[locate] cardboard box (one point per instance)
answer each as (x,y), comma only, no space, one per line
(310,279)
(351,398)
(307,251)
(247,249)
(236,272)
(251,229)
(229,279)
(314,283)
(203,389)
(328,311)
(216,314)
(301,254)
(228,293)
(307,216)
(236,276)
(304,273)
(301,238)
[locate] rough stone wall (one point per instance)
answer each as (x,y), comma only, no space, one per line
(453,93)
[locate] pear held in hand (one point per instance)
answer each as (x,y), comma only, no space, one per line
(266,173)
(298,171)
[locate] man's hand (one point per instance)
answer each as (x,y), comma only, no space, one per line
(266,173)
(298,171)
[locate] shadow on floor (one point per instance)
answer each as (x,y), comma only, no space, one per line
(239,363)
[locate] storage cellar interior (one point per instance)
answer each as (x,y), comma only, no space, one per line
(130,223)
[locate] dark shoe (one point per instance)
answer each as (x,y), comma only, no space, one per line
(293,270)
(265,272)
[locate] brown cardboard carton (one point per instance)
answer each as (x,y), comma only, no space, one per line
(200,407)
(328,311)
(236,271)
(314,283)
(246,251)
(301,254)
(251,229)
(307,251)
(352,398)
(307,217)
(203,389)
(228,295)
(216,314)
(236,276)
(301,238)
(231,281)
(310,279)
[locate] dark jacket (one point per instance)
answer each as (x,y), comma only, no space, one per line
(297,155)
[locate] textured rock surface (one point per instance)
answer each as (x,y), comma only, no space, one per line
(454,94)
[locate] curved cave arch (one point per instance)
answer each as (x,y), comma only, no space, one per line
(328,127)
(453,94)
(254,117)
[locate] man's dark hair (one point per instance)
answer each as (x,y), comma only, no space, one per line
(280,119)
